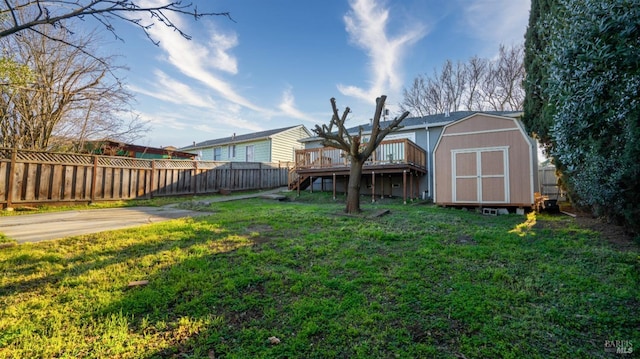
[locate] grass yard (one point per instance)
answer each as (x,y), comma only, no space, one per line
(419,282)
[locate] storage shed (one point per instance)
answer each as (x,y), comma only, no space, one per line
(485,160)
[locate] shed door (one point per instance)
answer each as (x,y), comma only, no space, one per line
(480,175)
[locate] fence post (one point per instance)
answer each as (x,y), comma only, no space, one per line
(230,176)
(194,181)
(12,172)
(152,178)
(94,179)
(260,175)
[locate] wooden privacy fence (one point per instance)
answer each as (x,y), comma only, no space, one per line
(32,177)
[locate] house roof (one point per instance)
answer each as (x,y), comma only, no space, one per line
(94,145)
(238,138)
(424,121)
(438,119)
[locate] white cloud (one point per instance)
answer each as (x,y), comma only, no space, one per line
(497,21)
(191,60)
(366,24)
(219,45)
(200,62)
(203,124)
(170,90)
(288,107)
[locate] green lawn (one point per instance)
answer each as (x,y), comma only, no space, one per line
(419,282)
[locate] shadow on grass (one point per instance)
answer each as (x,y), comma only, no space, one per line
(425,282)
(188,304)
(60,267)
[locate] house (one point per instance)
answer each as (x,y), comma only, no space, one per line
(277,145)
(485,160)
(115,148)
(398,164)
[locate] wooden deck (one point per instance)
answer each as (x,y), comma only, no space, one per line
(399,157)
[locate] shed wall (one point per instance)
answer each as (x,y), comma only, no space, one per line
(490,133)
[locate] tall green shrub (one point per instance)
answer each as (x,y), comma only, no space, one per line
(536,64)
(594,97)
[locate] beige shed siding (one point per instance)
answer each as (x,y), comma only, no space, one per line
(285,143)
(493,140)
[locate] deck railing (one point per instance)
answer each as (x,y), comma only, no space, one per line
(398,151)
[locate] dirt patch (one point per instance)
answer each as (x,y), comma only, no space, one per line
(465,239)
(259,228)
(618,236)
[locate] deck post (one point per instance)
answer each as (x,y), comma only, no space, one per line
(412,195)
(334,186)
(373,187)
(382,186)
(404,186)
(311,184)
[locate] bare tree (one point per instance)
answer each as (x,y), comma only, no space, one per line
(442,92)
(105,12)
(414,97)
(477,85)
(476,70)
(504,87)
(357,152)
(72,95)
(426,96)
(453,78)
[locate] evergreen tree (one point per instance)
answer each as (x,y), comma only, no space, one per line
(594,98)
(537,120)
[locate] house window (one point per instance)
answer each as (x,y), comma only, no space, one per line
(232,151)
(217,154)
(249,153)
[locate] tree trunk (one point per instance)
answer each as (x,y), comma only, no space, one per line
(353,189)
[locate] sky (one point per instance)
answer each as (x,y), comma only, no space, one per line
(278,63)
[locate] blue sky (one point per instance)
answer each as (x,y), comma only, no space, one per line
(281,61)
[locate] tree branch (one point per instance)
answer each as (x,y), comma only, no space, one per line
(101,9)
(340,139)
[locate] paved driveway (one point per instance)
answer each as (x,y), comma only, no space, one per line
(46,226)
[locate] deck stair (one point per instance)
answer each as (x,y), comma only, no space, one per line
(300,182)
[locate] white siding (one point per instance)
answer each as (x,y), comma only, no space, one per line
(260,151)
(285,143)
(280,147)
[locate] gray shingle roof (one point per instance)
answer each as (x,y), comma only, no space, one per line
(432,119)
(238,138)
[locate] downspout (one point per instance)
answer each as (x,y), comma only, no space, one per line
(429,172)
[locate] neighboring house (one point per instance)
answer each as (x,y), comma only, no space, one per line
(423,132)
(115,148)
(277,145)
